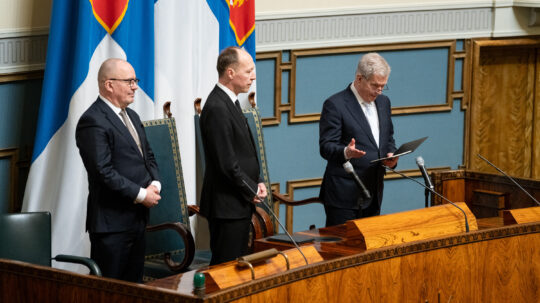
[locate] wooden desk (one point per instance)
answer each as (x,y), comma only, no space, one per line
(500,264)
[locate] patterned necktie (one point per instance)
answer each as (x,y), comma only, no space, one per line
(132,131)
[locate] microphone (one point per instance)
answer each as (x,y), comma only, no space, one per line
(511,179)
(420,163)
(350,169)
(434,192)
(277,219)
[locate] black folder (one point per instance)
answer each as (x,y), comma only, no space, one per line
(405,148)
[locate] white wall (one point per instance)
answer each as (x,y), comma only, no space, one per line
(24,16)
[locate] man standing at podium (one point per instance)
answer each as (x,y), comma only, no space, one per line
(356,126)
(232,183)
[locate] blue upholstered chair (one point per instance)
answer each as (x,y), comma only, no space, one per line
(169,242)
(27,237)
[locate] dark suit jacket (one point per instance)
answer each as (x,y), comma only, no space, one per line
(231,159)
(342,119)
(116,169)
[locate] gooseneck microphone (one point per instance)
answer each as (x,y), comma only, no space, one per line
(511,179)
(427,180)
(434,192)
(350,169)
(277,219)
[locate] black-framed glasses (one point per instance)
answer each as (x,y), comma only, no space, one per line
(131,82)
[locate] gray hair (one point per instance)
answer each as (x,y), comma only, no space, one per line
(372,64)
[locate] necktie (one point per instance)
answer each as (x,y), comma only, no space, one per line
(132,131)
(373,120)
(237,103)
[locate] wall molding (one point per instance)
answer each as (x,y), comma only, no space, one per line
(373,28)
(291,64)
(23,53)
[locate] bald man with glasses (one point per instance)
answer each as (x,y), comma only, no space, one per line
(123,178)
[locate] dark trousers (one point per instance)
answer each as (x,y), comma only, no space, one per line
(119,255)
(228,239)
(337,216)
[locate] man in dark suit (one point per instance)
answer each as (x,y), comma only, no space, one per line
(356,126)
(123,179)
(232,183)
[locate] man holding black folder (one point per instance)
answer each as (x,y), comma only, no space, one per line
(356,126)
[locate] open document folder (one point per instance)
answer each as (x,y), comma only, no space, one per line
(405,148)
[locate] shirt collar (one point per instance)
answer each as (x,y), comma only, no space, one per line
(359,98)
(115,109)
(229,92)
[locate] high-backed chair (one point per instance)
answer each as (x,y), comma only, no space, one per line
(27,237)
(263,225)
(169,242)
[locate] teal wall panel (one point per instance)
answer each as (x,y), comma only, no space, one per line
(19,106)
(265,86)
(5,165)
(418,77)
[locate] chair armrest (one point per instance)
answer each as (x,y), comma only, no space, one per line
(94,268)
(189,244)
(282,199)
(266,221)
(194,210)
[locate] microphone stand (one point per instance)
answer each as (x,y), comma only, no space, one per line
(277,219)
(511,179)
(433,192)
(426,193)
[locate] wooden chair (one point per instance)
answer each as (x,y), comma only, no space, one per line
(170,247)
(263,225)
(27,237)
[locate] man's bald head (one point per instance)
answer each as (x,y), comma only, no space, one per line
(116,81)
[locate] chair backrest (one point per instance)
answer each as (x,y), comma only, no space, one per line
(255,125)
(172,207)
(26,237)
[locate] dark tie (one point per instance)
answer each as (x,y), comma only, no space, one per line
(132,131)
(237,103)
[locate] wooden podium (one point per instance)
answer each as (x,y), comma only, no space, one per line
(417,256)
(409,226)
(487,195)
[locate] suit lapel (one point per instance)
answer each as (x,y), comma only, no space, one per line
(239,117)
(356,111)
(381,113)
(119,125)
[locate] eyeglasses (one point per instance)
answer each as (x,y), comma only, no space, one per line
(130,82)
(376,87)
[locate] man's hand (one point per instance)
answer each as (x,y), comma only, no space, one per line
(351,151)
(262,193)
(391,162)
(152,196)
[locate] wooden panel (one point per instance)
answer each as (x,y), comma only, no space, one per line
(464,273)
(454,190)
(487,203)
(408,226)
(536,128)
(522,215)
(230,275)
(469,181)
(502,109)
